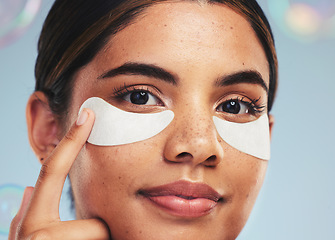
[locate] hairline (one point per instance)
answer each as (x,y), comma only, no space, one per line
(78,46)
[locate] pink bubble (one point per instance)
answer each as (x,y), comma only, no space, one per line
(10,200)
(305,20)
(15,17)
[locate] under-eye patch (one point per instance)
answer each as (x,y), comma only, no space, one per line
(114,126)
(252,138)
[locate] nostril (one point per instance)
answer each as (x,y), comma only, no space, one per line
(211,161)
(184,155)
(180,158)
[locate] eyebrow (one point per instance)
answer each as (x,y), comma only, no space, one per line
(148,70)
(151,70)
(251,77)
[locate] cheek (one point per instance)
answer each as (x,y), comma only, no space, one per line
(102,177)
(246,176)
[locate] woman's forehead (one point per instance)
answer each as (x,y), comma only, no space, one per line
(187,34)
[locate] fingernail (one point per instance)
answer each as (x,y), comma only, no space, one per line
(28,191)
(82,117)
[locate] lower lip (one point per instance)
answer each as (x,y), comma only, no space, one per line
(181,207)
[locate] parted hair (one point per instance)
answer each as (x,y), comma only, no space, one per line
(75,31)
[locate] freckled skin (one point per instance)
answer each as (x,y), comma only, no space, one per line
(198,43)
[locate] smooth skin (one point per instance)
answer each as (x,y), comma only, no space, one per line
(198,44)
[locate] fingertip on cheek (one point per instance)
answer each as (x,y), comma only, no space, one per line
(82,118)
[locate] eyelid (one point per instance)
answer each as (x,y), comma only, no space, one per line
(256,108)
(121,92)
(242,98)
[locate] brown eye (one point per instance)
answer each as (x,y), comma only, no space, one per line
(141,98)
(234,107)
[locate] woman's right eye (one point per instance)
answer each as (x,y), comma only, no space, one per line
(141,97)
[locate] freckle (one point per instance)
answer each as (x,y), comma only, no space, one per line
(231,28)
(243,64)
(165,25)
(120,177)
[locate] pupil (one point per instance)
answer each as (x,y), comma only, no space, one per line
(139,98)
(231,107)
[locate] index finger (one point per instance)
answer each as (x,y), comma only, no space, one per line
(49,186)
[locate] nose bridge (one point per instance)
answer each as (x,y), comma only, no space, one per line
(194,114)
(194,137)
(195,125)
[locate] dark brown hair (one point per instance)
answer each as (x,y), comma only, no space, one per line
(75,31)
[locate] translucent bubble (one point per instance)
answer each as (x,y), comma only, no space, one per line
(306,20)
(15,18)
(10,200)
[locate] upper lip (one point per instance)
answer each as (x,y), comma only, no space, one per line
(183,189)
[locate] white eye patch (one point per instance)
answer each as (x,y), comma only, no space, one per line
(252,138)
(114,126)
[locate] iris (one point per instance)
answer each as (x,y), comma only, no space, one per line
(231,106)
(139,97)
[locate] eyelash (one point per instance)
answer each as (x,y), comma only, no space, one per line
(253,104)
(120,92)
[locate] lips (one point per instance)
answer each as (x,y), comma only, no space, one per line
(183,198)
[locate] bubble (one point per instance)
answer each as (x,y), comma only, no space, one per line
(305,20)
(15,17)
(10,200)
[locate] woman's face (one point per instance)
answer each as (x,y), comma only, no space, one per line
(197,44)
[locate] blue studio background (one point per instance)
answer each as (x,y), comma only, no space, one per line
(298,196)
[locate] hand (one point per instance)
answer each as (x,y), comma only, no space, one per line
(38,217)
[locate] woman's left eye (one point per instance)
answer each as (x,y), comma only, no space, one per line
(141,97)
(235,106)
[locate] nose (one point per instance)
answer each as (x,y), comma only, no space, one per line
(194,140)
